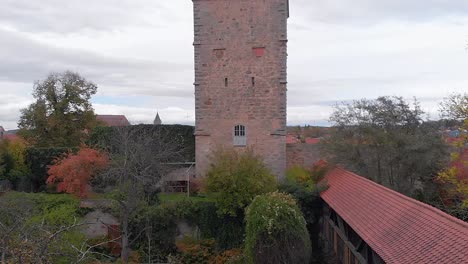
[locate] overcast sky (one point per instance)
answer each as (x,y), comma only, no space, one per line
(140,53)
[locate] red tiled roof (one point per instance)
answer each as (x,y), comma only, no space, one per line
(292,139)
(398,228)
(312,141)
(113,120)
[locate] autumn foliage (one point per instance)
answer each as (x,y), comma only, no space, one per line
(73,172)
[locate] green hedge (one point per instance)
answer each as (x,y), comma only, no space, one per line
(276,231)
(180,135)
(228,232)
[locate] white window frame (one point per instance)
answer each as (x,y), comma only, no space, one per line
(239,135)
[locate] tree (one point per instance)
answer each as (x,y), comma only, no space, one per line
(62,112)
(387,141)
(73,172)
(455,107)
(43,229)
(305,186)
(235,178)
(276,231)
(453,180)
(140,156)
(13,160)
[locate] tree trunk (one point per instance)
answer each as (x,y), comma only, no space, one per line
(125,243)
(148,236)
(3,256)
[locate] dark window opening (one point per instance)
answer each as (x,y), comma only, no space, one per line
(253,81)
(225,82)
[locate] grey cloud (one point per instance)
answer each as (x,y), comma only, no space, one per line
(25,60)
(373,11)
(76,15)
(9,106)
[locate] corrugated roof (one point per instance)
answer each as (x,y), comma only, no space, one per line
(398,228)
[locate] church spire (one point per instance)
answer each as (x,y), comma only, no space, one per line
(157,120)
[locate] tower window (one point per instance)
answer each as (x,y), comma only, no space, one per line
(240,136)
(253,81)
(225,82)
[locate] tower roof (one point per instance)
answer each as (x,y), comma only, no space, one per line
(157,120)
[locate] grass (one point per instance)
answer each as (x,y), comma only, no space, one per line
(177,197)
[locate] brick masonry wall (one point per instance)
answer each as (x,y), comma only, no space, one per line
(226,35)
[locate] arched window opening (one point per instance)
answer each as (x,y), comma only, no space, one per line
(240,135)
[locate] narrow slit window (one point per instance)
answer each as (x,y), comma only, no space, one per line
(253,81)
(225,82)
(240,136)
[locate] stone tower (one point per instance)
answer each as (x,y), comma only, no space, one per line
(240,79)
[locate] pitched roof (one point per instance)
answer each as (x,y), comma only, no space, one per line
(312,141)
(292,139)
(398,228)
(113,120)
(157,120)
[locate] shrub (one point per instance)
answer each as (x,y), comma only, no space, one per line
(307,177)
(31,219)
(276,231)
(12,160)
(160,222)
(38,160)
(73,172)
(227,256)
(228,231)
(306,191)
(297,174)
(196,252)
(236,178)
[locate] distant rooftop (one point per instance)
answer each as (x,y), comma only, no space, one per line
(113,120)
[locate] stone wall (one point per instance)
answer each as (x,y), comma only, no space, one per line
(98,224)
(302,154)
(240,77)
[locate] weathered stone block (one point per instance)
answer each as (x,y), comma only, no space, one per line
(240,72)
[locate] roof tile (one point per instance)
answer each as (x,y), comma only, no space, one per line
(398,228)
